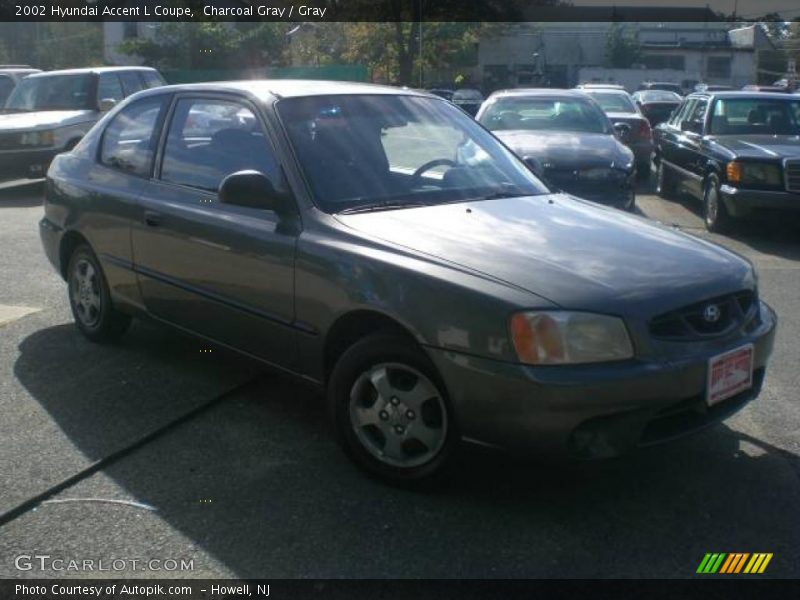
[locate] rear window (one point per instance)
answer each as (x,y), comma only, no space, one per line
(612,102)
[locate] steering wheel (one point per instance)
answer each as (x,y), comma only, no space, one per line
(431,164)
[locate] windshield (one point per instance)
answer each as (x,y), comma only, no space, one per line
(386,151)
(542,113)
(52,92)
(755,116)
(612,102)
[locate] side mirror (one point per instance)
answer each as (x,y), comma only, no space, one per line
(106,104)
(622,131)
(252,189)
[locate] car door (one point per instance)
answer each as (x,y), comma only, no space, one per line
(111,187)
(669,136)
(691,148)
(222,271)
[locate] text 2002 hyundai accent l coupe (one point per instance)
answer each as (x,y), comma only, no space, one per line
(382,244)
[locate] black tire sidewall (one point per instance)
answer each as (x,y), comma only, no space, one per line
(353,362)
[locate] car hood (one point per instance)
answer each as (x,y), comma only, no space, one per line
(571,252)
(45,119)
(761,146)
(566,150)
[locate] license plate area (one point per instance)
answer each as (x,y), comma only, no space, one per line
(729,374)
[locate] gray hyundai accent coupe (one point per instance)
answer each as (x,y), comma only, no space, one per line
(383,245)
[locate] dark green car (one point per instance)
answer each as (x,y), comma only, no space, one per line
(383,245)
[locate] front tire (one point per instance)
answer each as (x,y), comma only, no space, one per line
(390,410)
(715,215)
(90,299)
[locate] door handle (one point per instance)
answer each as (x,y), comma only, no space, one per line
(152,219)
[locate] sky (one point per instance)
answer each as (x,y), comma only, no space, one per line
(789,9)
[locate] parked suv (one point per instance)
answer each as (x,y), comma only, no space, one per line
(10,76)
(48,113)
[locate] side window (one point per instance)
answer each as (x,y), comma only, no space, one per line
(209,139)
(130,138)
(6,86)
(109,87)
(130,82)
(682,113)
(698,113)
(152,79)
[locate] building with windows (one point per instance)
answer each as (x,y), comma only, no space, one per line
(552,54)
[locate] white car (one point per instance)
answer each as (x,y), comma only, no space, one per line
(48,113)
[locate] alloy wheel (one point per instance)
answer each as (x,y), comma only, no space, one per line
(85,291)
(398,415)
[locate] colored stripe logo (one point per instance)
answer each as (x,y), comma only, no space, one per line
(734,563)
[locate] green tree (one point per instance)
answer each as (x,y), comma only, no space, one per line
(210,45)
(53,45)
(622,47)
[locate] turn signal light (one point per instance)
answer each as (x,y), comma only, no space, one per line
(733,172)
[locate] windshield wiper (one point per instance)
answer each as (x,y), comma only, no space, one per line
(14,110)
(381,205)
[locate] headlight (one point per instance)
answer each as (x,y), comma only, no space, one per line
(753,173)
(38,138)
(561,337)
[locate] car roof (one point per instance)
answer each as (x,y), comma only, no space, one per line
(543,92)
(604,90)
(740,94)
(91,70)
(288,88)
(19,70)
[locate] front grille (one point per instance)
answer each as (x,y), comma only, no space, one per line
(791,169)
(9,141)
(710,318)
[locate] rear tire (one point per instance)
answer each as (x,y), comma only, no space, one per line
(90,300)
(665,182)
(390,410)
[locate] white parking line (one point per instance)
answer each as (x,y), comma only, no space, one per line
(9,314)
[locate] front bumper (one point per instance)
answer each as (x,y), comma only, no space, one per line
(742,202)
(590,411)
(26,164)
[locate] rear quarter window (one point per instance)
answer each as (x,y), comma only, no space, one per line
(129,139)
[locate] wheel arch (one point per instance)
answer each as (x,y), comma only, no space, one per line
(355,325)
(69,241)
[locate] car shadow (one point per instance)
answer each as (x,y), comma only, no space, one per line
(258,483)
(21,194)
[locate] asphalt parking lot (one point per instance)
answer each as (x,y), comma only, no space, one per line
(248,482)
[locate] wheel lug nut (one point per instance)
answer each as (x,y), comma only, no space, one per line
(410,414)
(383,415)
(395,401)
(399,429)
